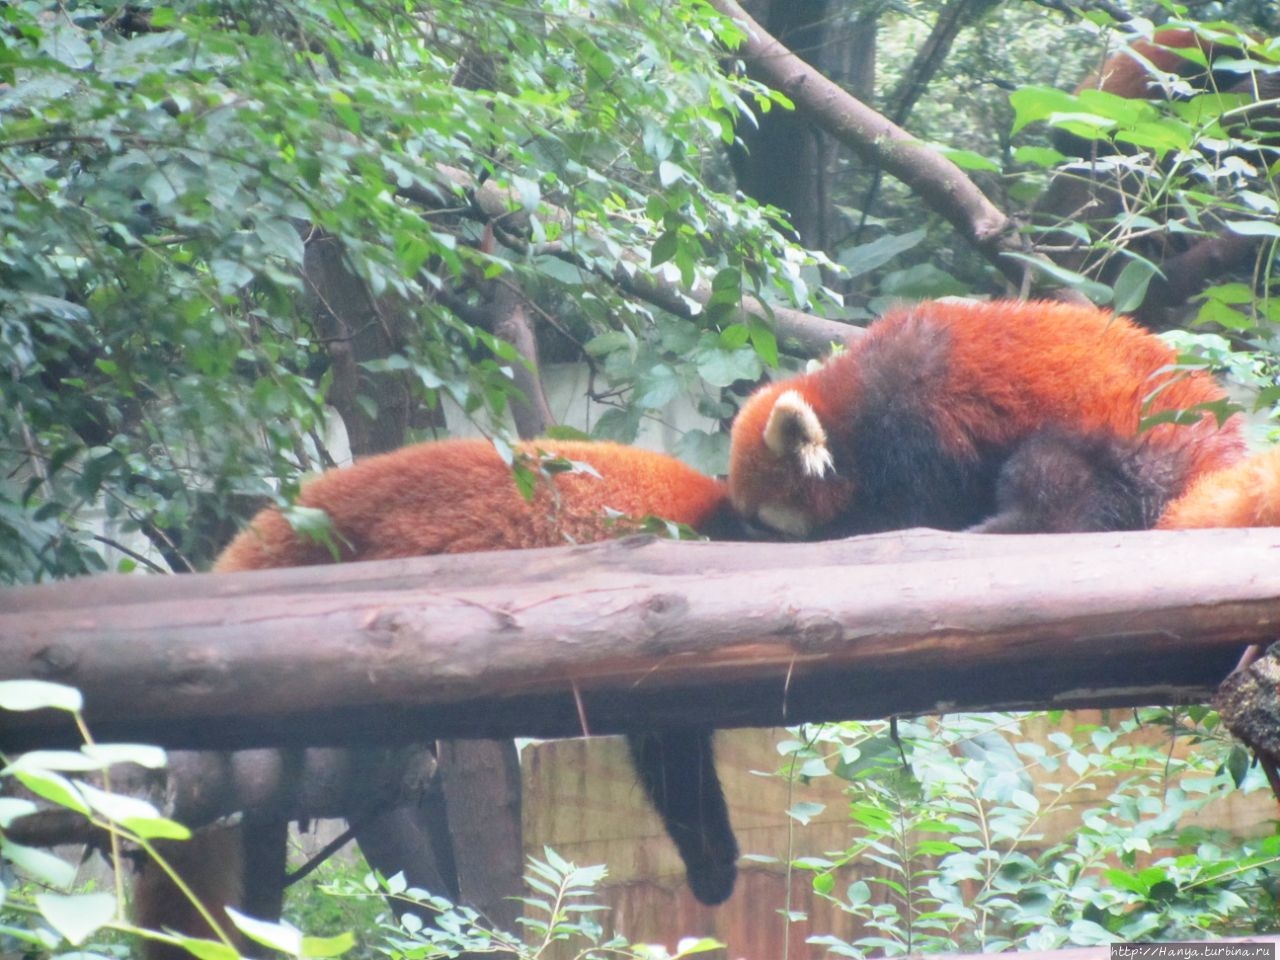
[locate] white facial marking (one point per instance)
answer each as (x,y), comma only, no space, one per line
(785,519)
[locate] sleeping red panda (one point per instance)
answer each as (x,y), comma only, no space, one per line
(1002,417)
(458,496)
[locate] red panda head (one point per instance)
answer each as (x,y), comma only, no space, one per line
(781,470)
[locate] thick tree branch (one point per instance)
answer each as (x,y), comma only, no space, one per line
(939,182)
(358,327)
(503,644)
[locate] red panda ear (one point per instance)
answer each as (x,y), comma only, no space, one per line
(794,431)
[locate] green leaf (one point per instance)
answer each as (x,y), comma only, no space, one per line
(968,159)
(77,917)
(206,949)
(38,865)
(805,810)
(669,173)
(1097,292)
(144,755)
(334,946)
(688,946)
(42,760)
(52,787)
(282,936)
(528,191)
(765,342)
(722,368)
(1254,228)
(280,239)
(13,807)
(1131,285)
(230,274)
(133,813)
(870,256)
(657,388)
(1032,103)
(21,695)
(608,342)
(1237,764)
(664,248)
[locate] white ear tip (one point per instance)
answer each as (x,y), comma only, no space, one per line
(795,430)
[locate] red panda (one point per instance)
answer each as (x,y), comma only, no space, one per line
(1003,417)
(1135,73)
(1128,73)
(458,496)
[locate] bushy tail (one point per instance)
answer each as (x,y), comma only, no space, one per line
(677,769)
(240,865)
(1244,495)
(212,865)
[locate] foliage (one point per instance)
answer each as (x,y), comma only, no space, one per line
(334,898)
(40,912)
(209,207)
(170,175)
(1183,170)
(1186,168)
(558,911)
(950,817)
(43,912)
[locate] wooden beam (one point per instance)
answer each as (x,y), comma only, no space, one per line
(638,632)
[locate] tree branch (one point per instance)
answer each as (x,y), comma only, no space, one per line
(810,333)
(939,182)
(952,18)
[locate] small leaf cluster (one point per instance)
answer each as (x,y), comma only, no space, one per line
(41,912)
(559,915)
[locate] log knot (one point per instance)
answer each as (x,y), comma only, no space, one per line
(55,660)
(662,609)
(817,633)
(382,627)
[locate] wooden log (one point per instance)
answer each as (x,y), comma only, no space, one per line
(636,633)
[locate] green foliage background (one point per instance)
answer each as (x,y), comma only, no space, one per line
(163,169)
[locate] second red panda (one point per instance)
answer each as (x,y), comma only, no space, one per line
(458,496)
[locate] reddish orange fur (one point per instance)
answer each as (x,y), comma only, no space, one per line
(453,496)
(1011,367)
(1244,495)
(1126,73)
(211,863)
(457,496)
